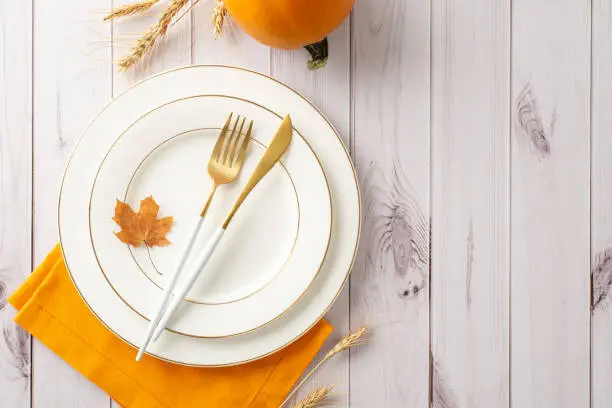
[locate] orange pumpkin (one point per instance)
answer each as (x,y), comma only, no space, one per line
(290,24)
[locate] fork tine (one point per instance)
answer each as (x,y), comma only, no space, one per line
(222,136)
(235,143)
(243,146)
(230,140)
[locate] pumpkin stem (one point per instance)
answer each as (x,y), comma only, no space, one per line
(319,52)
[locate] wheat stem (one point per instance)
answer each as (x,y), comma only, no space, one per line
(184,13)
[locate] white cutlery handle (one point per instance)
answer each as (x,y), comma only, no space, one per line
(190,277)
(169,289)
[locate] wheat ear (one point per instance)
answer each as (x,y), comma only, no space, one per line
(130,9)
(217,18)
(150,37)
(315,397)
(353,339)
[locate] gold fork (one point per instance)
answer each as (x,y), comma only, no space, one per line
(227,157)
(224,166)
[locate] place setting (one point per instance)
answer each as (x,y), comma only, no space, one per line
(209,216)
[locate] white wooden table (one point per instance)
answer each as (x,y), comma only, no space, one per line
(482,135)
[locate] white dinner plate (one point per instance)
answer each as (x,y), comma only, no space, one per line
(171,86)
(271,251)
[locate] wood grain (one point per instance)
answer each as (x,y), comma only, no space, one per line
(15,194)
(550,248)
(390,281)
(442,393)
(72,81)
(470,203)
(516,183)
(329,89)
(601,206)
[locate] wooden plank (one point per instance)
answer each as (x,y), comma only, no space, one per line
(329,89)
(550,248)
(601,206)
(390,283)
(15,194)
(72,81)
(171,51)
(470,203)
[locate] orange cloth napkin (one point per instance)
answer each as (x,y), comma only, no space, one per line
(51,309)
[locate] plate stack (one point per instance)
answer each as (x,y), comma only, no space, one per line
(283,260)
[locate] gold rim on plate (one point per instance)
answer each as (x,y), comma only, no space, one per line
(187,299)
(325,310)
(288,308)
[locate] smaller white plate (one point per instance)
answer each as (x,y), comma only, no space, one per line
(271,251)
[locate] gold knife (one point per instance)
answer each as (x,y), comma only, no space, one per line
(275,150)
(271,156)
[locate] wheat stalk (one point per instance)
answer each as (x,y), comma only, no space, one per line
(129,9)
(352,339)
(150,37)
(217,18)
(315,397)
(179,18)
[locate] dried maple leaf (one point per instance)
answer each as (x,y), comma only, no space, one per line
(142,227)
